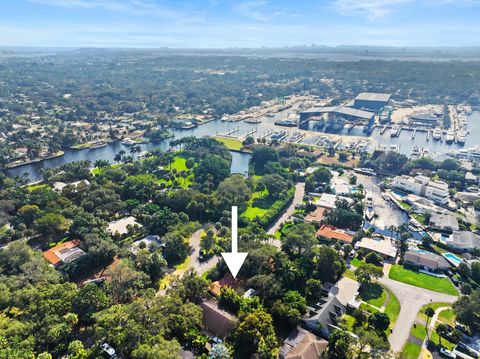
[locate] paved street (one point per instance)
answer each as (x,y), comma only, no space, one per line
(411,300)
(297,199)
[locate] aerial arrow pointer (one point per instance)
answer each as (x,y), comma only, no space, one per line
(234,260)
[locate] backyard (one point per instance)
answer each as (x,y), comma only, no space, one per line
(231,143)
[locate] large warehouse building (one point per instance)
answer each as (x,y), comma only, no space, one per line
(371,101)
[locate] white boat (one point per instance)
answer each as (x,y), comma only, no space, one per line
(415,152)
(128,142)
(394,148)
(394,131)
(461,137)
(450,136)
(437,134)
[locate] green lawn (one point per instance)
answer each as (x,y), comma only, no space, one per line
(356,262)
(33,187)
(230,143)
(373,294)
(406,206)
(442,285)
(349,322)
(258,205)
(410,351)
(392,308)
(349,274)
(3,229)
(447,316)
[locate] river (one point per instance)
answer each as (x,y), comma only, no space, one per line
(240,160)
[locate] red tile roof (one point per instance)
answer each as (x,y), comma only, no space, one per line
(331,232)
(51,254)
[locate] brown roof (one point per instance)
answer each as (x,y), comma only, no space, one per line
(426,259)
(331,232)
(303,345)
(316,216)
(227,281)
(52,254)
(215,320)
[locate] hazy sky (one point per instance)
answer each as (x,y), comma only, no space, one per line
(250,23)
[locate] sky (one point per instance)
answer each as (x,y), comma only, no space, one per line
(248,23)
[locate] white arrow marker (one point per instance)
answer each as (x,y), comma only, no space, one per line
(233,259)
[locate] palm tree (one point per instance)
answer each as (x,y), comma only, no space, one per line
(429,312)
(101,163)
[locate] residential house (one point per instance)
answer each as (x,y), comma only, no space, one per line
(146,242)
(65,252)
(444,222)
(59,186)
(386,247)
(316,216)
(302,344)
(326,200)
(426,260)
(437,191)
(330,233)
(215,320)
(323,317)
(463,240)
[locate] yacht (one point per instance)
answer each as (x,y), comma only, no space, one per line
(128,142)
(394,131)
(461,137)
(394,148)
(437,134)
(415,152)
(253,120)
(450,136)
(269,115)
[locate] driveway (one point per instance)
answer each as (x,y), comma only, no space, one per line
(195,263)
(297,199)
(411,299)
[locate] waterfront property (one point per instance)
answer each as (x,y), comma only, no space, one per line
(385,247)
(423,186)
(425,260)
(444,222)
(331,233)
(463,241)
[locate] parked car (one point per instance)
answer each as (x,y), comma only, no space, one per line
(108,350)
(447,353)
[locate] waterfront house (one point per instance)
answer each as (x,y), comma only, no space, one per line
(444,222)
(332,233)
(425,260)
(385,247)
(437,191)
(463,240)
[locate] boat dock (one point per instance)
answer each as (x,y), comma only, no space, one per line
(382,131)
(265,135)
(251,132)
(229,133)
(414,133)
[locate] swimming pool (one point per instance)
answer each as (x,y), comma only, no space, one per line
(452,258)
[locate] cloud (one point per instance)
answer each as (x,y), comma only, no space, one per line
(372,9)
(253,10)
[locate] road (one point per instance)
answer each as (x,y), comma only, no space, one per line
(411,299)
(297,199)
(195,263)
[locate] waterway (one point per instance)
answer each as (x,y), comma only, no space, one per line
(240,160)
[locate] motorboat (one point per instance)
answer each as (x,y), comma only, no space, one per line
(128,142)
(461,137)
(394,131)
(450,136)
(437,134)
(415,152)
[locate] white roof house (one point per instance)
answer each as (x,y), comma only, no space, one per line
(385,247)
(120,226)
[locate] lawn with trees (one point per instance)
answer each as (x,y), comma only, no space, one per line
(408,276)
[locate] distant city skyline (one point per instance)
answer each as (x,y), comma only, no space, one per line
(250,23)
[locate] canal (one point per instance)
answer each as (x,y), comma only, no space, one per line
(239,160)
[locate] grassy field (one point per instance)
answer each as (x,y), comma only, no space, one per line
(33,187)
(231,143)
(258,205)
(351,163)
(373,294)
(410,351)
(392,308)
(356,262)
(447,316)
(442,285)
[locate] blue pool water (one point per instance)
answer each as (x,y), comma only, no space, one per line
(452,258)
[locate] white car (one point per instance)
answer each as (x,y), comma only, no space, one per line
(447,353)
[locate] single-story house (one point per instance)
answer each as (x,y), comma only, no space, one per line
(215,320)
(227,281)
(329,232)
(316,216)
(467,197)
(59,186)
(385,247)
(444,222)
(147,242)
(120,226)
(323,317)
(463,240)
(326,200)
(302,344)
(65,252)
(425,260)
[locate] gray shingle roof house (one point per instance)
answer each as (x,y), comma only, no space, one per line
(426,260)
(216,320)
(323,317)
(463,240)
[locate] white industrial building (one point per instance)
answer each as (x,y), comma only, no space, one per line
(437,191)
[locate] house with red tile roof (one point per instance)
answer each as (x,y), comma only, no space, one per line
(65,252)
(330,233)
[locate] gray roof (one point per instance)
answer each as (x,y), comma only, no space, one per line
(444,221)
(373,96)
(464,240)
(324,315)
(425,259)
(343,110)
